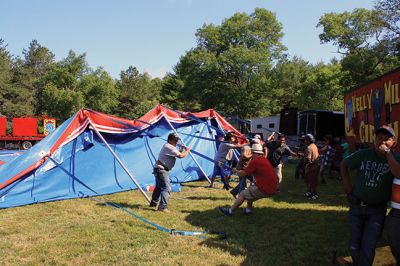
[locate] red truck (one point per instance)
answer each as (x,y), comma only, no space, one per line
(25,132)
(370,106)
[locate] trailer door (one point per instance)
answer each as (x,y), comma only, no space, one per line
(307,123)
(312,123)
(303,124)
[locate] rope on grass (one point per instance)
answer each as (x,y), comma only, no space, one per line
(203,234)
(222,235)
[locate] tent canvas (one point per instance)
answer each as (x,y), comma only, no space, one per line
(73,161)
(8,155)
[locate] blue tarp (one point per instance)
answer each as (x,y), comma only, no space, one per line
(87,168)
(8,155)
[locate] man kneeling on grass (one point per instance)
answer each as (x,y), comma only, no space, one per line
(265,182)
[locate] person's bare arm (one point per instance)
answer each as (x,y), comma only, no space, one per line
(393,164)
(240,173)
(184,153)
(271,137)
(344,172)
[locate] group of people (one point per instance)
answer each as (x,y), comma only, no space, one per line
(377,181)
(260,162)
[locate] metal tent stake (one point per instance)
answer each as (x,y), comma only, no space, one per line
(191,155)
(120,162)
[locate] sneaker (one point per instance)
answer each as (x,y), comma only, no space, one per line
(227,187)
(233,194)
(164,210)
(225,211)
(308,194)
(247,212)
(314,197)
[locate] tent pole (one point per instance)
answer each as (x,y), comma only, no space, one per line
(199,120)
(120,162)
(191,155)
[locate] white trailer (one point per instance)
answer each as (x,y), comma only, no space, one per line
(265,125)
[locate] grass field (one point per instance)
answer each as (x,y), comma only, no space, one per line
(287,229)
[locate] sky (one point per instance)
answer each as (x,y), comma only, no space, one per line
(152,35)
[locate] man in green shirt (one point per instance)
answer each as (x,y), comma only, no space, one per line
(370,192)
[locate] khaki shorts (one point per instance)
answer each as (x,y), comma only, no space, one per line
(253,193)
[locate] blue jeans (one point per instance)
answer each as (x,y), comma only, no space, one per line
(222,170)
(163,188)
(393,230)
(366,224)
(242,185)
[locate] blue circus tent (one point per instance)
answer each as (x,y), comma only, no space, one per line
(9,155)
(94,154)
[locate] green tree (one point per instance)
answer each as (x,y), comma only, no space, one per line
(138,93)
(60,95)
(287,83)
(228,69)
(322,88)
(5,76)
(15,100)
(60,103)
(172,91)
(28,71)
(368,40)
(99,91)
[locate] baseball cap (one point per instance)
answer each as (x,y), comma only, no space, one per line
(257,136)
(386,130)
(309,137)
(173,136)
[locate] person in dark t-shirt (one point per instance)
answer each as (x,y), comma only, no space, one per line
(276,150)
(370,193)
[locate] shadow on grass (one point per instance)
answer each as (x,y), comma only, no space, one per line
(277,236)
(123,204)
(205,198)
(193,185)
(327,198)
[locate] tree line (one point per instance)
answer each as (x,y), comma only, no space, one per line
(239,67)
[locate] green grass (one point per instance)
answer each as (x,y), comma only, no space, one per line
(287,229)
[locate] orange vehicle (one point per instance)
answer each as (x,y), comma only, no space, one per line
(370,106)
(25,131)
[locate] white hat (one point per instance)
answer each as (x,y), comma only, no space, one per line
(257,136)
(257,148)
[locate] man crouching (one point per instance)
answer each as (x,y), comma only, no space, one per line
(265,182)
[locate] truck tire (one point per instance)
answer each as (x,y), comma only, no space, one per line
(26,145)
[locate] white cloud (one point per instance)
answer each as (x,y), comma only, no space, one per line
(157,72)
